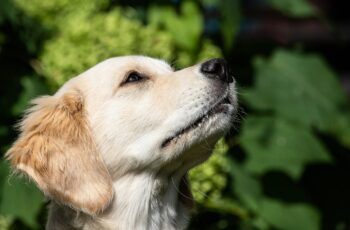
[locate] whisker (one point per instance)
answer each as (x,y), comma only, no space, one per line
(178,190)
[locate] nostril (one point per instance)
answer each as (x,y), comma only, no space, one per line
(216,69)
(212,67)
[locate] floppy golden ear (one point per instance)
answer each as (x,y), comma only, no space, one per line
(57,151)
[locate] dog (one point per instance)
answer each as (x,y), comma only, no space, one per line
(112,147)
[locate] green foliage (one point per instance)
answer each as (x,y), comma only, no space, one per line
(295,97)
(313,91)
(289,216)
(185,28)
(32,87)
(3,131)
(18,199)
(114,35)
(3,175)
(3,15)
(266,212)
(6,10)
(294,8)
(246,187)
(230,20)
(53,13)
(297,94)
(5,222)
(209,179)
(27,203)
(76,42)
(280,145)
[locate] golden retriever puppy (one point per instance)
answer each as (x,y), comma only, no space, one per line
(112,147)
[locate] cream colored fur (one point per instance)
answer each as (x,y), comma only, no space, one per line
(95,147)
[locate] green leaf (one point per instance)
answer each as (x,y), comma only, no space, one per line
(3,130)
(301,88)
(341,128)
(230,10)
(276,144)
(289,216)
(294,8)
(229,18)
(246,187)
(185,27)
(5,222)
(32,87)
(259,223)
(267,211)
(22,200)
(7,10)
(3,175)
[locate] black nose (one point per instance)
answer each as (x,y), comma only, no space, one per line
(216,68)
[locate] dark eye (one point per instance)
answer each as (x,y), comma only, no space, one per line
(134,76)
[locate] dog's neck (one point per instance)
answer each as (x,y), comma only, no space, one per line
(142,201)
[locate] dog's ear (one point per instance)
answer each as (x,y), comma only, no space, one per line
(185,194)
(57,150)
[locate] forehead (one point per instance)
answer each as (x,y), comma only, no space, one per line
(108,71)
(139,63)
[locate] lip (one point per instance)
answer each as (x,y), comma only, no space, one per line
(219,107)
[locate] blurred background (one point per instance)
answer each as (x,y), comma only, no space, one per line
(284,166)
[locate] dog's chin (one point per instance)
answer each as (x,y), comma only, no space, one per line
(210,126)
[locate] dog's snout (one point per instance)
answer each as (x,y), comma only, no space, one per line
(216,68)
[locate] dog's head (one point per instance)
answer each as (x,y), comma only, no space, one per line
(124,115)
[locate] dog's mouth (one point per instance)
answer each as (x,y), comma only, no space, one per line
(220,107)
